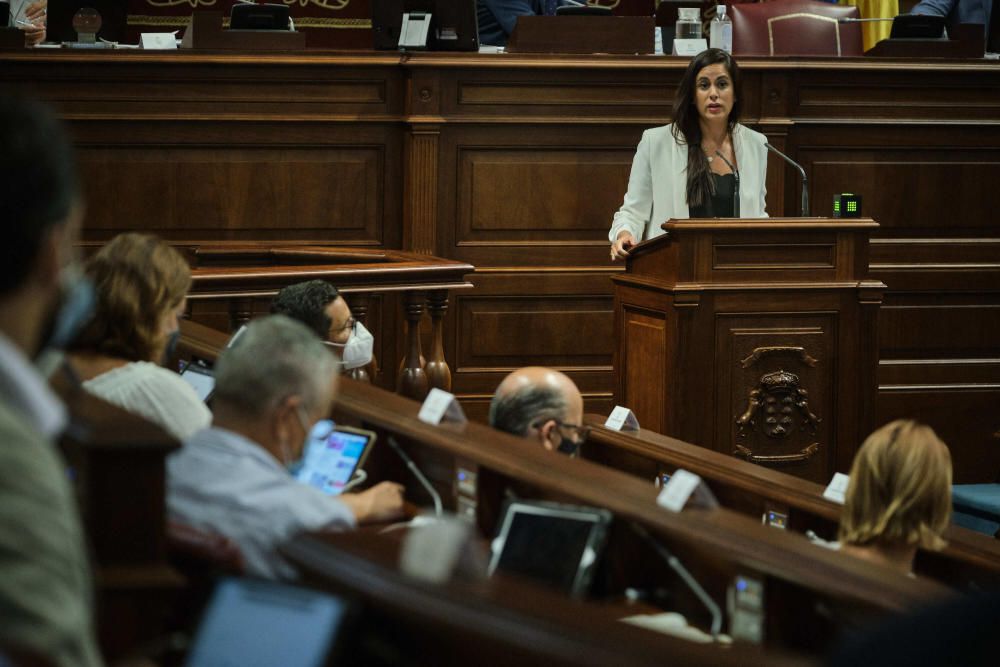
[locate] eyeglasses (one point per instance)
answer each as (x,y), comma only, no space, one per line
(580,432)
(350,325)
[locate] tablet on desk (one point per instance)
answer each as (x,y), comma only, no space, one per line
(201,378)
(330,462)
(553,544)
(199,374)
(251,623)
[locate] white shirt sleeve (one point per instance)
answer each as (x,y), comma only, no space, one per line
(637,208)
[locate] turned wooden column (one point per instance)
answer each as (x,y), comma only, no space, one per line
(438,373)
(412,381)
(240,312)
(359,304)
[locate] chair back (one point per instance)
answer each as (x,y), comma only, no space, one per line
(795,28)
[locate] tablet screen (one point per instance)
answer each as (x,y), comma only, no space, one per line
(200,378)
(552,544)
(251,623)
(330,463)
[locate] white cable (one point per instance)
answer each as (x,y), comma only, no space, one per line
(359,476)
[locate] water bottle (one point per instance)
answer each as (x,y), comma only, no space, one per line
(688,24)
(720,34)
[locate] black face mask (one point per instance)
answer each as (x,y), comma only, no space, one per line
(569,447)
(171,347)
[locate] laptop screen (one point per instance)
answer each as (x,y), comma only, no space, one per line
(250,623)
(330,462)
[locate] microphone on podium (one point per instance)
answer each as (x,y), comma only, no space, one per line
(736,177)
(802,173)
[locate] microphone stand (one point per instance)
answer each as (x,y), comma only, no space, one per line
(802,173)
(431,491)
(736,193)
(689,581)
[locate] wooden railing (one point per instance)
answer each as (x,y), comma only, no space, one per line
(235,282)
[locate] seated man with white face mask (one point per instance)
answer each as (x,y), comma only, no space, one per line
(319,306)
(271,388)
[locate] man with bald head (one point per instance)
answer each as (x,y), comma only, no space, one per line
(540,404)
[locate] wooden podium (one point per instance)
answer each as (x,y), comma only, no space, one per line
(756,338)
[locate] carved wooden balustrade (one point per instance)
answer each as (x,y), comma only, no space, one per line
(236,282)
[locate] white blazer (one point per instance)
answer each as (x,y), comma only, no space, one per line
(657,187)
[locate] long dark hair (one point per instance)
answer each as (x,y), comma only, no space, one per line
(687,129)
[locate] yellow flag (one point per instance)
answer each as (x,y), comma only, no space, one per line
(874,32)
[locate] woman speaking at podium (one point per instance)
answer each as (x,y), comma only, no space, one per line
(703,165)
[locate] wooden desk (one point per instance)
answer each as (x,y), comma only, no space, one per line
(970,560)
(716,544)
(803,582)
(485,622)
(516,164)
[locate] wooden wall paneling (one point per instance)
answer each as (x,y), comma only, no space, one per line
(900,173)
(532,89)
(939,352)
(897,92)
(505,200)
(245,183)
(219,147)
(160,86)
(783,183)
(420,209)
(420,189)
(940,364)
(647,336)
(522,317)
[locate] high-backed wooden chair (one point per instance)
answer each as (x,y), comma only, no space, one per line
(795,28)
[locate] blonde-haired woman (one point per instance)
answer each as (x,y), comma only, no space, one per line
(899,496)
(142,285)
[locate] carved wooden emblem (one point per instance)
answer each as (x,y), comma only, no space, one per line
(778,408)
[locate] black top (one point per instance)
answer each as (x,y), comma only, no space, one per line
(721,204)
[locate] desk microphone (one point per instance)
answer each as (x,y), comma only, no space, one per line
(736,194)
(802,173)
(686,577)
(435,496)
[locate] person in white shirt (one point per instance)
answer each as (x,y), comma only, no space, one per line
(703,165)
(142,285)
(45,582)
(271,388)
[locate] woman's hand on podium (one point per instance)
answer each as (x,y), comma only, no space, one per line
(621,246)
